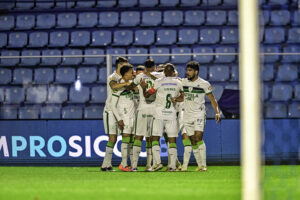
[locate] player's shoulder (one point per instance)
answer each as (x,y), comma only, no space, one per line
(184,81)
(177,80)
(202,81)
(160,79)
(158,74)
(114,77)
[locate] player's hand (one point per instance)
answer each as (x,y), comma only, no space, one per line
(218,117)
(121,124)
(173,99)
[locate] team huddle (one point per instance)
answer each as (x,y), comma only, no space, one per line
(152,102)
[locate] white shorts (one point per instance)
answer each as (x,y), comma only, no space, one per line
(110,123)
(180,122)
(190,126)
(129,125)
(169,126)
(143,122)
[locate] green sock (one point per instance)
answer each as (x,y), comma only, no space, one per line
(155,143)
(137,143)
(186,142)
(126,139)
(110,144)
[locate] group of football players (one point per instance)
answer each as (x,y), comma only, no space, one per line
(152,102)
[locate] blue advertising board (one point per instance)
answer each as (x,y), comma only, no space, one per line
(83,142)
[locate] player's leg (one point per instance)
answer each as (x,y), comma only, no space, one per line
(202,149)
(199,130)
(140,132)
(130,145)
(187,150)
(149,141)
(157,130)
(124,152)
(172,133)
(110,126)
(106,165)
(126,137)
(137,146)
(149,154)
(190,129)
(168,144)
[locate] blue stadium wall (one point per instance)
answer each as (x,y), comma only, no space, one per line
(82,142)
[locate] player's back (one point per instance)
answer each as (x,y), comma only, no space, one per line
(166,88)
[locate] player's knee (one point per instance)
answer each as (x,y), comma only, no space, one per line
(184,136)
(155,138)
(112,138)
(148,139)
(138,138)
(172,140)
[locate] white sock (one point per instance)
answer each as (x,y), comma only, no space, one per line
(187,156)
(173,157)
(130,151)
(202,150)
(124,152)
(149,156)
(135,157)
(197,156)
(107,158)
(169,158)
(156,154)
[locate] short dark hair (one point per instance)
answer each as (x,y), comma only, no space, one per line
(149,63)
(140,67)
(169,69)
(125,68)
(194,65)
(120,60)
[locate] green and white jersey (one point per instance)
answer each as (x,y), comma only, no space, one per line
(136,98)
(123,105)
(194,97)
(143,101)
(166,88)
(113,77)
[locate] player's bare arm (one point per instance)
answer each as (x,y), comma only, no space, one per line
(215,105)
(180,98)
(115,85)
(121,124)
(148,73)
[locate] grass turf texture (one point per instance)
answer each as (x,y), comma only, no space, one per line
(220,182)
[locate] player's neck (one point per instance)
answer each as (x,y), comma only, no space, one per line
(118,72)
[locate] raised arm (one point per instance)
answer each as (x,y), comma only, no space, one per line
(115,86)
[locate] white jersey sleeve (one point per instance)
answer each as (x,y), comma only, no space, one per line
(157,84)
(207,88)
(138,79)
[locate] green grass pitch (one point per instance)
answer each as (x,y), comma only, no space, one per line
(219,182)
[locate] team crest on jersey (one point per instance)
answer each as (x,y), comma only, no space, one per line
(190,89)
